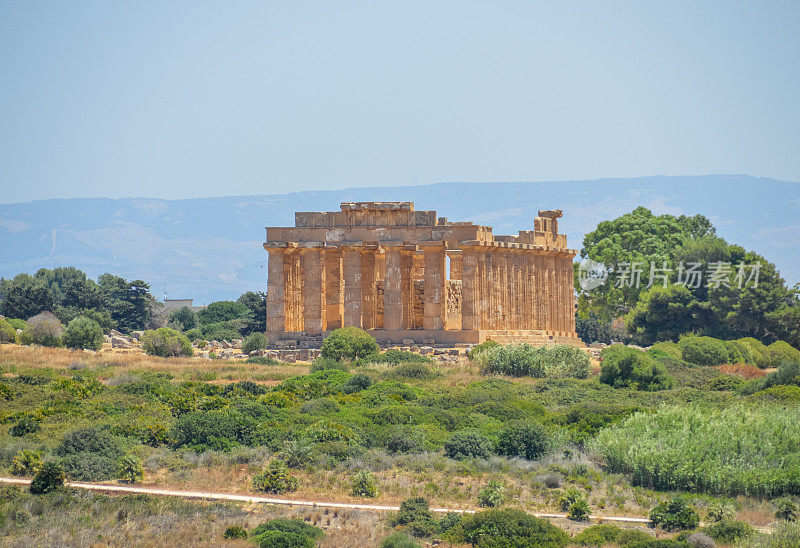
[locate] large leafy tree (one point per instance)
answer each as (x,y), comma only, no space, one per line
(23,296)
(257,304)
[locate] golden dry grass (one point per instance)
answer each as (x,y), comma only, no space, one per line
(15,358)
(742,370)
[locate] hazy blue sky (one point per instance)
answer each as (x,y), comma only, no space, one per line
(184,99)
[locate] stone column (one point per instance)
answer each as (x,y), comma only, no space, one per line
(469,289)
(504,289)
(571,296)
(407,287)
(530,296)
(486,292)
(275,295)
(392,291)
(541,292)
(293,290)
(333,289)
(369,307)
(351,266)
(552,292)
(313,283)
(456,264)
(433,318)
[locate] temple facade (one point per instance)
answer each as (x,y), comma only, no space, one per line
(406,275)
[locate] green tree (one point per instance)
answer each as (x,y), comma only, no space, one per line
(349,343)
(185,317)
(257,304)
(223,311)
(23,297)
(83,332)
(625,367)
(510,528)
(662,314)
(129,303)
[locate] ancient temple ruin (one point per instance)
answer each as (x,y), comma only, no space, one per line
(407,275)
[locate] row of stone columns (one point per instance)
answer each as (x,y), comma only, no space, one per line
(314,289)
(516,289)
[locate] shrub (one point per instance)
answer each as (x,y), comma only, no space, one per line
(703,350)
(778,353)
(275,479)
(784,535)
(286,533)
(7,332)
(254,341)
(786,510)
(727,531)
(755,350)
(625,367)
(415,515)
(568,498)
(43,329)
(356,383)
(130,469)
(700,540)
(25,425)
(26,463)
(512,529)
(674,515)
(49,478)
(524,440)
(519,360)
(467,444)
(83,332)
(363,485)
(166,342)
(234,532)
(598,535)
(218,429)
(484,346)
(492,495)
(348,343)
(89,440)
(399,540)
(185,317)
(321,363)
(90,467)
(720,511)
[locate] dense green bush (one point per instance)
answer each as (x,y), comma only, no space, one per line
(467,444)
(786,509)
(524,440)
(83,332)
(254,341)
(624,367)
(511,529)
(275,479)
(559,361)
(286,533)
(753,350)
(49,478)
(221,331)
(703,350)
(130,469)
(415,517)
(184,317)
(729,532)
(262,360)
(598,535)
(166,342)
(90,467)
(89,440)
(703,448)
(411,370)
(356,383)
(778,353)
(7,332)
(349,343)
(363,485)
(235,532)
(480,348)
(25,425)
(674,515)
(217,429)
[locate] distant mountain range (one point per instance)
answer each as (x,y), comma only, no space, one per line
(210,248)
